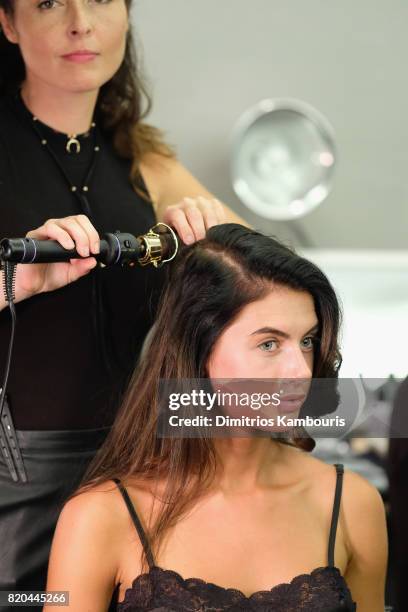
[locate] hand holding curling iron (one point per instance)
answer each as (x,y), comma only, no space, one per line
(66,249)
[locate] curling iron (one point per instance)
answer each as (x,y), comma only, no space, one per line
(158,246)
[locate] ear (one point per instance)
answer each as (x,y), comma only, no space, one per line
(8,27)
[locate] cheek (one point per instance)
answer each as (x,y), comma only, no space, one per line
(113,39)
(309,359)
(229,363)
(37,44)
(114,32)
(38,57)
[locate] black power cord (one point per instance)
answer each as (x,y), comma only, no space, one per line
(8,438)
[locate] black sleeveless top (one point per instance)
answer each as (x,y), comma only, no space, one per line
(162,590)
(76,347)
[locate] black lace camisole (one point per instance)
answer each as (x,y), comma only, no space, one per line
(164,590)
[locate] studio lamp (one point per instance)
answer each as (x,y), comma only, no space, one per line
(283,158)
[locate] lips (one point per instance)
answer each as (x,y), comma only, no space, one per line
(80,56)
(291,397)
(81,52)
(290,403)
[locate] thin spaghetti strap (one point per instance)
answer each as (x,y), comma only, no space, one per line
(142,535)
(335,515)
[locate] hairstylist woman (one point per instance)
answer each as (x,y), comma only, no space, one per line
(237,523)
(76,161)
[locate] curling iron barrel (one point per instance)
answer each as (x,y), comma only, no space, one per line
(158,246)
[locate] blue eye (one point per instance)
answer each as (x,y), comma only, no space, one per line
(42,4)
(264,345)
(311,342)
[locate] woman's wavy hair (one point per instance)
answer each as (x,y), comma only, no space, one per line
(123,101)
(209,283)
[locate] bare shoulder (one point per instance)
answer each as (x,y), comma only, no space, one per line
(359,498)
(169,182)
(365,515)
(358,494)
(156,166)
(168,179)
(362,507)
(156,169)
(85,552)
(158,162)
(103,507)
(366,524)
(362,528)
(91,514)
(99,502)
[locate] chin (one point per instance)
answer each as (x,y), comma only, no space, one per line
(82,78)
(82,86)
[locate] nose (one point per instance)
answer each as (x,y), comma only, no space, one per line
(296,363)
(80,22)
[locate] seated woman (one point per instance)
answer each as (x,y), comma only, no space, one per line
(225,523)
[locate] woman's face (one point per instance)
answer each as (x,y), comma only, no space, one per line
(48,30)
(270,338)
(267,350)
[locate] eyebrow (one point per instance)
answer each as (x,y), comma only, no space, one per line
(278,332)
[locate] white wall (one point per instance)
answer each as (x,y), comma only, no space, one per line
(373,289)
(210,60)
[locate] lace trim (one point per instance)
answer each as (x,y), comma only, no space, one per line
(155,572)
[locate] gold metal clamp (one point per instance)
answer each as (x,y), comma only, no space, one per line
(154,247)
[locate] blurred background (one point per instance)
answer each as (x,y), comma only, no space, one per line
(207,63)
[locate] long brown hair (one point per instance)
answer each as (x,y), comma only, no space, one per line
(208,285)
(122,104)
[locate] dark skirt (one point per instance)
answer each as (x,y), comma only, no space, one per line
(55,462)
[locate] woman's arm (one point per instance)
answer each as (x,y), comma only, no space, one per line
(365,518)
(181,200)
(85,551)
